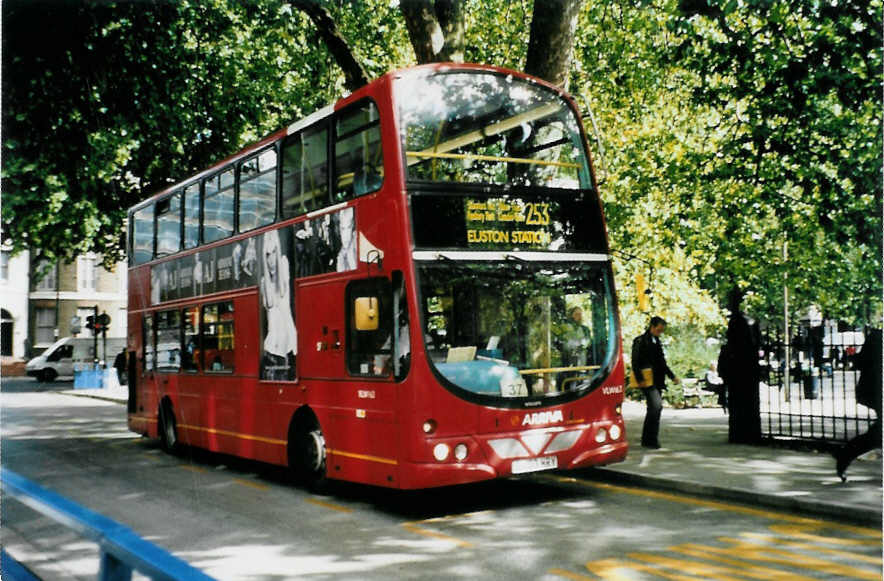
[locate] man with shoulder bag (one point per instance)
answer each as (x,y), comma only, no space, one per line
(649,372)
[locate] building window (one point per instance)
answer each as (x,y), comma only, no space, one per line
(4,265)
(87,273)
(44,332)
(46,275)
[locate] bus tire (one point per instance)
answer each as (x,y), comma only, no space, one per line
(306,453)
(168,428)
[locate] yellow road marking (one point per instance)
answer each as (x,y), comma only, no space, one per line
(251,484)
(569,575)
(701,570)
(415,527)
(746,569)
(609,570)
(750,551)
(770,515)
(196,469)
(801,532)
(813,547)
(328,505)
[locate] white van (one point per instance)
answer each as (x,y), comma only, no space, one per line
(60,359)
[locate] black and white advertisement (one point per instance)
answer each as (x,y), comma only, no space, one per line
(279,345)
(326,244)
(223,268)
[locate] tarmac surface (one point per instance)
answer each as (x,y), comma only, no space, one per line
(697,459)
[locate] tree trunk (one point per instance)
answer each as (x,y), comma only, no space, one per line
(552,40)
(354,75)
(435,28)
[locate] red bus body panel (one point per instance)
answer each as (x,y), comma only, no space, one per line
(372,427)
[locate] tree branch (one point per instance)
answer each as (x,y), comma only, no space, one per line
(354,75)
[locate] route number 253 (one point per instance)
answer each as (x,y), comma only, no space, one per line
(537,214)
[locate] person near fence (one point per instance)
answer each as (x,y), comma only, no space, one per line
(647,353)
(715,384)
(739,368)
(868,393)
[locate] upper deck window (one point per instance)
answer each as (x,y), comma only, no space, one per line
(257,191)
(218,207)
(359,160)
(305,172)
(169,224)
(192,215)
(488,128)
(142,235)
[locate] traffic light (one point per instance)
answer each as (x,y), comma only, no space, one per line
(102,322)
(90,323)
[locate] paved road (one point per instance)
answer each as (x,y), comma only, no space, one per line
(241,520)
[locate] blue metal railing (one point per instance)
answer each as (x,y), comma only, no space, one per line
(121,550)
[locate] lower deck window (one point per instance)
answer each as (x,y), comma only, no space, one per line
(217,337)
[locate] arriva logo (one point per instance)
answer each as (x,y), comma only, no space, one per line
(612,390)
(540,418)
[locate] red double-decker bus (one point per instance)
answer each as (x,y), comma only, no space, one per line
(410,288)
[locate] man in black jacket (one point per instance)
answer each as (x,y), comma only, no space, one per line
(648,353)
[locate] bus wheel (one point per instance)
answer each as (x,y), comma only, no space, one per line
(307,454)
(168,430)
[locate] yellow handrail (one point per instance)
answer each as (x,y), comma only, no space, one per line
(559,369)
(491,158)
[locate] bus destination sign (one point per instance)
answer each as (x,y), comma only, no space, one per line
(536,222)
(508,222)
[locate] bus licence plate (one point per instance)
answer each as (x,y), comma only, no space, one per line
(535,464)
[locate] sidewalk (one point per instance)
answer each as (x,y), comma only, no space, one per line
(697,459)
(116,394)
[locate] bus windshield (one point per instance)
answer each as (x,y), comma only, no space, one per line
(488,128)
(514,328)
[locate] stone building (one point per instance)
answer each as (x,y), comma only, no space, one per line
(62,291)
(13,303)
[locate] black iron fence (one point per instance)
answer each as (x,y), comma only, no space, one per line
(807,390)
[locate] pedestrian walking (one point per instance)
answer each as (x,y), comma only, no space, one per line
(739,368)
(647,353)
(120,366)
(868,393)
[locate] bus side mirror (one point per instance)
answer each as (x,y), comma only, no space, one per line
(366,311)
